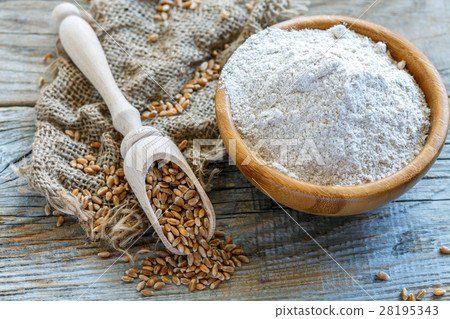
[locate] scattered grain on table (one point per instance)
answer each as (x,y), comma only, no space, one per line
(47,210)
(411,297)
(47,57)
(382,276)
(185,223)
(104,254)
(439,292)
(147,292)
(60,221)
(420,294)
(404,294)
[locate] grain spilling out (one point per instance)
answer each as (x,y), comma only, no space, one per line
(148,108)
(111,194)
(185,223)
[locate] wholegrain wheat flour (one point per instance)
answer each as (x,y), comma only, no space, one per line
(329,107)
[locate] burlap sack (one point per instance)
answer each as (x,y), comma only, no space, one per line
(145,72)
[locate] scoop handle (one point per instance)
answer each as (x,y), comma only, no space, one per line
(82,45)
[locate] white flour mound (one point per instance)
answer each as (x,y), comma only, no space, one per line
(328,107)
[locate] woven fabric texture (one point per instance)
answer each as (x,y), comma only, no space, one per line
(145,72)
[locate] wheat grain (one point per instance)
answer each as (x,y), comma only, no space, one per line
(382,276)
(411,297)
(127,279)
(47,57)
(104,254)
(404,294)
(153,38)
(96,144)
(166,279)
(147,293)
(159,285)
(151,282)
(60,221)
(420,294)
(185,223)
(140,286)
(249,6)
(215,284)
(77,135)
(48,210)
(439,292)
(224,15)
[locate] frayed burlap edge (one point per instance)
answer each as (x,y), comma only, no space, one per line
(125,224)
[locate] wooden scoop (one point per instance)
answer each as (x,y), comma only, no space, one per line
(142,145)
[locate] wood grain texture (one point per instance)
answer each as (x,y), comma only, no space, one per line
(423,22)
(345,200)
(26,37)
(41,262)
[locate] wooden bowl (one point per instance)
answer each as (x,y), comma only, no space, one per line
(346,200)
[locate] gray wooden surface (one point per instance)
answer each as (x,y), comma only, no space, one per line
(40,261)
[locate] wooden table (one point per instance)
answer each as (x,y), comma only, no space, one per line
(40,261)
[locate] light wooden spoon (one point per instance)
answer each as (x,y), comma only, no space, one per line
(142,145)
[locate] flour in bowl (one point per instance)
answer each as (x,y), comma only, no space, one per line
(329,107)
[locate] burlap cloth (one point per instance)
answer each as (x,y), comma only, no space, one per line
(144,72)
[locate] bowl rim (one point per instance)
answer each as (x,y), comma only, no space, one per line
(439,122)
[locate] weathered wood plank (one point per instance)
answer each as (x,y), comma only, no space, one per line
(26,36)
(424,23)
(27,17)
(284,260)
(40,261)
(19,135)
(23,65)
